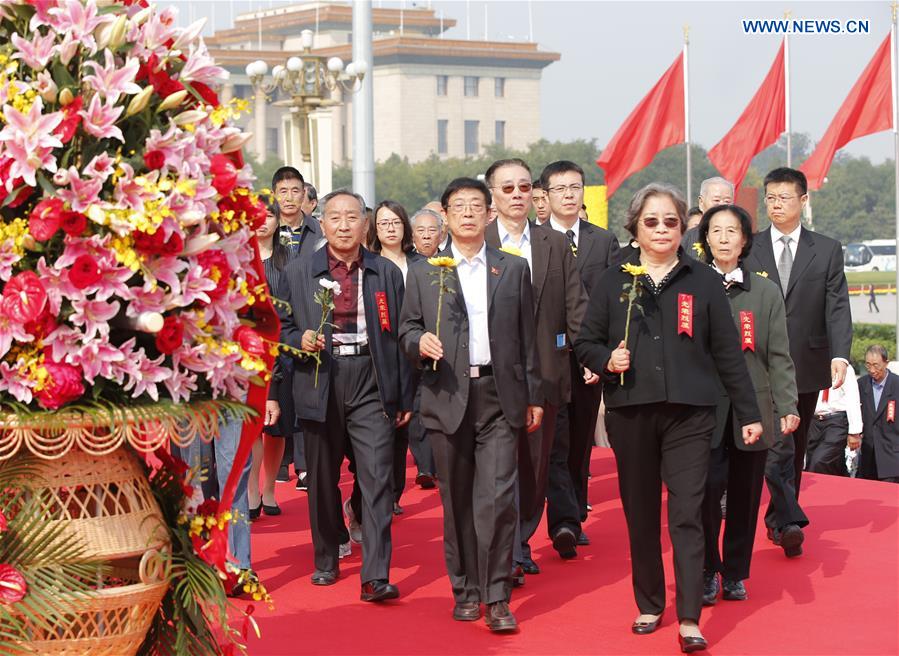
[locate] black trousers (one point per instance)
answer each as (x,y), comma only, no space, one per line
(419,444)
(668,443)
(400,448)
(476,478)
(867,465)
(742,475)
(585,400)
(355,416)
(783,471)
(827,445)
(533,477)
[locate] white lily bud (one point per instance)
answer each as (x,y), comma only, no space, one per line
(141,17)
(190,116)
(191,217)
(117,33)
(102,34)
(139,102)
(172,100)
(199,244)
(68,52)
(46,87)
(236,141)
(147,322)
(65,97)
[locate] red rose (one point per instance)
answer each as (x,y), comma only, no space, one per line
(13,586)
(63,385)
(208,95)
(71,120)
(215,264)
(43,325)
(45,218)
(224,174)
(210,508)
(24,297)
(171,336)
(173,245)
(22,194)
(249,340)
(154,160)
(73,223)
(85,272)
(147,244)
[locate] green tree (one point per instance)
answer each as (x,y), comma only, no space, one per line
(263,170)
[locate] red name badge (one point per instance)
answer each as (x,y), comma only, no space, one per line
(383,313)
(747,331)
(685,314)
(891,411)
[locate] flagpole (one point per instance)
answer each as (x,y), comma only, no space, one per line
(687,114)
(894,59)
(787,123)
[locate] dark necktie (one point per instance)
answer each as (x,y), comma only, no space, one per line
(570,234)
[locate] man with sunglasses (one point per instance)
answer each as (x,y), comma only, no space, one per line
(559,304)
(808,267)
(594,250)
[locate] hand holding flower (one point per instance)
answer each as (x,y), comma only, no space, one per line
(313,341)
(620,360)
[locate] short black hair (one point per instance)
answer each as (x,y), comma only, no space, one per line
(693,211)
(311,193)
(287,173)
(537,184)
(400,211)
(745,227)
(500,163)
(784,174)
(562,166)
(465,183)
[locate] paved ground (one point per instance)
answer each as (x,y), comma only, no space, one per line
(886,303)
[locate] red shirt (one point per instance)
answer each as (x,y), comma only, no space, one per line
(348,305)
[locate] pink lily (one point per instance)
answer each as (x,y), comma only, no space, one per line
(15,384)
(29,140)
(182,382)
(113,80)
(96,358)
(35,53)
(99,119)
(78,19)
(94,316)
(82,192)
(150,372)
(100,167)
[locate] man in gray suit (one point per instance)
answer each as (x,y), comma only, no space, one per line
(480,388)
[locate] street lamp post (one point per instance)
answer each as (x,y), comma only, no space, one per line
(308,81)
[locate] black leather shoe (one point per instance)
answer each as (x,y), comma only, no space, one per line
(467,611)
(271,511)
(583,540)
(397,509)
(565,541)
(734,591)
(711,586)
(529,566)
(645,628)
(379,590)
(325,577)
(255,512)
(500,619)
(689,644)
(425,481)
(791,539)
(517,576)
(771,533)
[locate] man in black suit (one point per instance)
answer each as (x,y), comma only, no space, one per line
(480,388)
(809,269)
(560,302)
(595,249)
(361,389)
(879,393)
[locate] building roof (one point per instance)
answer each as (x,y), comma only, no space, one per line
(408,49)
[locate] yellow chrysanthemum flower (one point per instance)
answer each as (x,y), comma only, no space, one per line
(511,250)
(446,262)
(633,269)
(698,248)
(763,274)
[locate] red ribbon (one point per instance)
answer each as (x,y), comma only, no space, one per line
(685,314)
(747,330)
(383,312)
(891,411)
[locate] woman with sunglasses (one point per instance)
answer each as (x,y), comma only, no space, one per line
(661,389)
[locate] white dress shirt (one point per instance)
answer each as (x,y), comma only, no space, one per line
(779,245)
(576,228)
(473,281)
(506,239)
(845,399)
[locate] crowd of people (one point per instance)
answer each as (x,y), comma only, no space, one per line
(484,341)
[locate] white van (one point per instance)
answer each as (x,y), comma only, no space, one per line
(871,255)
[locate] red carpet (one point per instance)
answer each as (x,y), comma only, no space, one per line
(839,598)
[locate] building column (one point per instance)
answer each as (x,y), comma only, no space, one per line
(321,146)
(259,126)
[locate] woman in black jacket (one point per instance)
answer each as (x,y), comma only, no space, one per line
(660,388)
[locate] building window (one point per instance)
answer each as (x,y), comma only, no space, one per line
(442,83)
(471,137)
(442,140)
(500,133)
(271,141)
(499,87)
(243,91)
(471,86)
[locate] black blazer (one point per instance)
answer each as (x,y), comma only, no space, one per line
(819,322)
(559,305)
(310,236)
(510,320)
(667,366)
(880,437)
(393,373)
(597,250)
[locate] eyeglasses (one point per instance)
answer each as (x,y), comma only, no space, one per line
(784,199)
(461,206)
(395,223)
(523,187)
(421,232)
(652,222)
(874,366)
(561,189)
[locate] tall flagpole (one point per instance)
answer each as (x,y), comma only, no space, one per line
(894,81)
(687,114)
(787,122)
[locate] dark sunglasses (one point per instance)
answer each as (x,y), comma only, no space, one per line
(523,187)
(669,221)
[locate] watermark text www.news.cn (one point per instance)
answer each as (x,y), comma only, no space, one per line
(800,26)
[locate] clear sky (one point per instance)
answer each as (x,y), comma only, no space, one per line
(613,52)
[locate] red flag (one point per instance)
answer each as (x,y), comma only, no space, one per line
(656,123)
(867,109)
(759,126)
